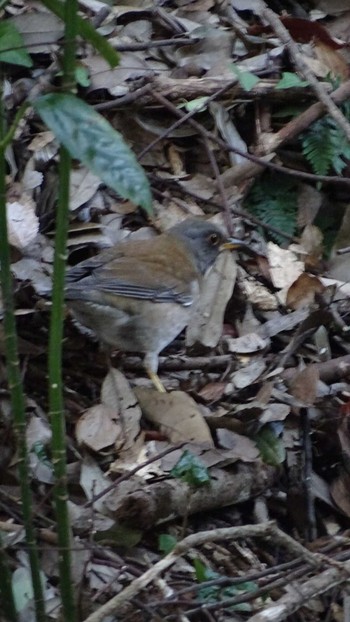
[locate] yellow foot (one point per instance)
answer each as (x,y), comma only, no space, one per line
(156,381)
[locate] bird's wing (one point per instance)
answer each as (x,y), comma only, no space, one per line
(146,277)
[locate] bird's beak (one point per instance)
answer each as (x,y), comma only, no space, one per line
(233,244)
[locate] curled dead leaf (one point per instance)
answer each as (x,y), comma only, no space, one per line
(303,291)
(98,427)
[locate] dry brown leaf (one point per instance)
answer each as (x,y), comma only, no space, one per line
(117,395)
(177,415)
(332,59)
(245,449)
(303,291)
(312,241)
(250,373)
(247,344)
(259,295)
(93,481)
(309,202)
(212,391)
(99,428)
(206,322)
(285,267)
(303,385)
(83,186)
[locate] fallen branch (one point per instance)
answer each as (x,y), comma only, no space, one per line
(264,530)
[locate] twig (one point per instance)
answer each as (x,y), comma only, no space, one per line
(235,210)
(308,485)
(133,471)
(265,530)
(295,599)
(307,73)
(220,185)
(330,371)
(183,117)
(303,121)
(261,162)
(160,43)
(217,363)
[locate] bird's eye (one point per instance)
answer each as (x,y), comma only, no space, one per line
(213,239)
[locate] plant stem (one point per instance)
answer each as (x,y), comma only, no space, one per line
(6,593)
(55,340)
(14,379)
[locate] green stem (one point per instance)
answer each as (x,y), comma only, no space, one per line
(6,593)
(15,381)
(55,340)
(7,139)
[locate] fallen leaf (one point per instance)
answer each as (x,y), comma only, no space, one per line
(22,222)
(303,291)
(285,267)
(117,395)
(176,414)
(206,322)
(98,427)
(303,385)
(247,344)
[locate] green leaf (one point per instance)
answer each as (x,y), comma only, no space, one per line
(199,104)
(166,543)
(39,450)
(191,470)
(12,47)
(214,593)
(270,446)
(87,31)
(290,80)
(82,76)
(203,573)
(92,140)
(246,79)
(273,199)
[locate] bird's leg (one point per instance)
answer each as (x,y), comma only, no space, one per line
(156,381)
(151,366)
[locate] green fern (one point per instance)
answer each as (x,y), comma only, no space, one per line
(325,147)
(274,201)
(318,147)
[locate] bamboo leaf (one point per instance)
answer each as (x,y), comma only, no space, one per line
(12,47)
(92,140)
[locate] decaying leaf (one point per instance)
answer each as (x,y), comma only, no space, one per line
(303,386)
(303,291)
(23,224)
(206,322)
(176,414)
(99,427)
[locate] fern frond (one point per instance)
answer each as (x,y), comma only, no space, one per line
(318,147)
(274,201)
(325,147)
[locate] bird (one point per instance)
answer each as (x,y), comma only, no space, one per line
(138,296)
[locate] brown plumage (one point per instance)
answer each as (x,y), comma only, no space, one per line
(139,295)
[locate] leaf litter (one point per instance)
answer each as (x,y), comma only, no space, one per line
(259,387)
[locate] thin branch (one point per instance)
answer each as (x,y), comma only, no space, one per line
(265,530)
(282,32)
